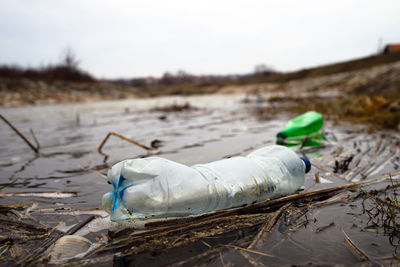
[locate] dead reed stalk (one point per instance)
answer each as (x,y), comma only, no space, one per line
(123,138)
(35,149)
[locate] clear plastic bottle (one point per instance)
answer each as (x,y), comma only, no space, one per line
(157,187)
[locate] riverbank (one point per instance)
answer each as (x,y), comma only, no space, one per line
(22,92)
(367,95)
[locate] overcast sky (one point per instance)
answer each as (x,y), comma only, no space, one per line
(141,38)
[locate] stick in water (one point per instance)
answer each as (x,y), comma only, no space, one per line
(35,149)
(122,137)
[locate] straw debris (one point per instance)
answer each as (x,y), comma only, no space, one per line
(384,213)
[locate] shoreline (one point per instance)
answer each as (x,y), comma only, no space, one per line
(362,96)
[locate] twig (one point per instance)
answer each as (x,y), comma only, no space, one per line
(208,254)
(251,251)
(179,238)
(322,228)
(94,261)
(222,260)
(35,139)
(22,168)
(389,203)
(44,194)
(250,260)
(15,206)
(178,228)
(100,174)
(7,246)
(27,216)
(317,180)
(35,149)
(51,231)
(80,225)
(272,219)
(122,137)
(13,223)
(205,243)
(322,191)
(7,185)
(354,249)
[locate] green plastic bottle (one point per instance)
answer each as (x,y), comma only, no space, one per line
(303,130)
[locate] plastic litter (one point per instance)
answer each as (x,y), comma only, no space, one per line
(304,130)
(68,247)
(157,187)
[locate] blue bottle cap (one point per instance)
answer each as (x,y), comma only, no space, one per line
(307,163)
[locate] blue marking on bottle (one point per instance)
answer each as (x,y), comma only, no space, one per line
(116,189)
(116,200)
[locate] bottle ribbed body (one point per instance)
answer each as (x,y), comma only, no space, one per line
(157,187)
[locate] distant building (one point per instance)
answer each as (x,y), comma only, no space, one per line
(391,48)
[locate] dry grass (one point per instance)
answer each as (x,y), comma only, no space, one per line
(347,66)
(384,212)
(181,89)
(377,110)
(175,107)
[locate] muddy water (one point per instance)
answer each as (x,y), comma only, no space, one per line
(217,127)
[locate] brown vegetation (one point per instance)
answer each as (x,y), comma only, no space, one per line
(175,107)
(17,92)
(67,70)
(347,66)
(182,89)
(49,73)
(376,110)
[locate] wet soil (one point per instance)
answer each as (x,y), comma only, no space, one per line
(66,180)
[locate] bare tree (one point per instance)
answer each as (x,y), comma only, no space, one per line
(167,78)
(69,58)
(261,69)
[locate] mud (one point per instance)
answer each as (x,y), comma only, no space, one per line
(66,180)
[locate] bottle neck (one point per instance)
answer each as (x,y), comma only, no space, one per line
(307,164)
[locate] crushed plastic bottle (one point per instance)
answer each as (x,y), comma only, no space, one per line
(303,130)
(157,187)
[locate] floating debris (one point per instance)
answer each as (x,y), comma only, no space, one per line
(266,229)
(176,107)
(251,251)
(155,144)
(122,137)
(68,247)
(322,228)
(354,249)
(35,149)
(342,166)
(304,130)
(57,194)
